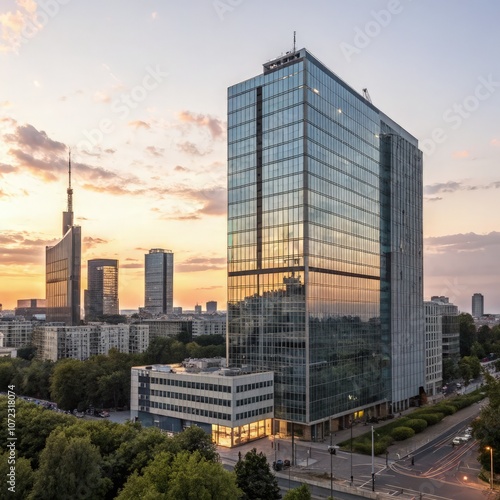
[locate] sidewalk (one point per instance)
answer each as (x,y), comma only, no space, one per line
(398,450)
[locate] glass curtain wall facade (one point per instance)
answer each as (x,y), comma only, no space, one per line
(305,238)
(159,281)
(62,275)
(101,296)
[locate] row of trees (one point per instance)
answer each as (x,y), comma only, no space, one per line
(58,456)
(101,381)
(475,345)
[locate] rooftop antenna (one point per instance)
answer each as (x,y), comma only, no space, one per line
(294,42)
(366,95)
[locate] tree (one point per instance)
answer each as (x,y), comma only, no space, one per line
(36,379)
(477,350)
(469,367)
(193,439)
(487,426)
(254,477)
(182,476)
(450,370)
(300,493)
(23,477)
(66,386)
(69,468)
(467,333)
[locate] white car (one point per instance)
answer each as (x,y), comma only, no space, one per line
(457,440)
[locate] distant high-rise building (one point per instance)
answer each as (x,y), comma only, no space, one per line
(477,305)
(324,247)
(31,307)
(159,281)
(62,270)
(211,306)
(101,296)
(197,308)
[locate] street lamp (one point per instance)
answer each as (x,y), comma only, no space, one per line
(373,461)
(352,479)
(491,465)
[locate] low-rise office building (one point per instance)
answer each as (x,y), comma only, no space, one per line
(231,405)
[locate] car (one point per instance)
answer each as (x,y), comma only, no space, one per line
(104,414)
(457,440)
(279,465)
(465,437)
(286,463)
(468,430)
(459,386)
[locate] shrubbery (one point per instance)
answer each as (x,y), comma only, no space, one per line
(417,424)
(446,409)
(431,418)
(402,433)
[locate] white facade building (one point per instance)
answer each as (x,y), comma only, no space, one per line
(234,407)
(433,349)
(16,333)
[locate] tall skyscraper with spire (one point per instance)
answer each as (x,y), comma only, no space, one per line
(63,269)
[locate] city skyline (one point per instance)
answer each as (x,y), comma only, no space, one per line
(144,112)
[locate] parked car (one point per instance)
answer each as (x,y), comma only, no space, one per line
(457,440)
(286,463)
(104,414)
(279,465)
(465,437)
(459,386)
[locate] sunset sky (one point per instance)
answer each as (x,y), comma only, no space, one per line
(137,90)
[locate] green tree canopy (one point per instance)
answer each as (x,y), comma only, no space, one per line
(467,333)
(69,468)
(185,476)
(300,493)
(255,479)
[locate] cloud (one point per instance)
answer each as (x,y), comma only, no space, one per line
(90,242)
(14,22)
(214,287)
(495,142)
(191,149)
(456,243)
(209,201)
(6,169)
(434,198)
(22,248)
(102,97)
(5,104)
(197,264)
(131,265)
(154,16)
(28,136)
(139,124)
(154,151)
(214,126)
(453,186)
(180,168)
(110,151)
(461,154)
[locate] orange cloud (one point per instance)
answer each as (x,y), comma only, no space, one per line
(139,124)
(461,154)
(214,125)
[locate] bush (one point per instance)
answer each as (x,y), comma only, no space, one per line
(417,424)
(431,418)
(379,446)
(445,409)
(402,433)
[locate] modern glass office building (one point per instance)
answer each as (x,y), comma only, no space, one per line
(324,247)
(62,270)
(159,281)
(101,296)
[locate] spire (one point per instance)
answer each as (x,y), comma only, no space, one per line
(68,215)
(69,190)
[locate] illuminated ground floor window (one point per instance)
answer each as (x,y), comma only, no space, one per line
(229,437)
